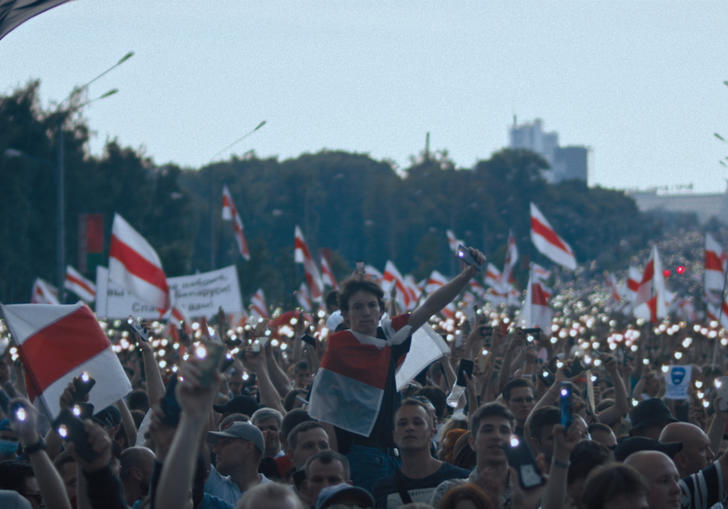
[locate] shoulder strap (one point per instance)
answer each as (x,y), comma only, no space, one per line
(399,484)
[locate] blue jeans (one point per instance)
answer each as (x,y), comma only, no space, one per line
(370,464)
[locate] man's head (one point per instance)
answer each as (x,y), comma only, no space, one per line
(235,383)
(649,417)
(695,454)
(302,375)
(603,434)
(323,469)
(362,304)
(137,465)
(661,477)
(615,486)
(518,394)
(491,426)
(291,420)
(268,421)
(65,463)
(332,301)
(414,426)
(305,440)
(541,428)
(270,495)
(585,457)
(239,447)
(344,495)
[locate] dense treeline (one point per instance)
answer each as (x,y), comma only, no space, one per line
(358,207)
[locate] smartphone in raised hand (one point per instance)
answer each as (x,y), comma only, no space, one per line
(521,459)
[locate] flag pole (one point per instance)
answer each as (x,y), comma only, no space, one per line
(720,315)
(28,372)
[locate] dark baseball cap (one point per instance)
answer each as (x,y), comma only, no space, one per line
(238,405)
(650,412)
(332,494)
(635,444)
(242,430)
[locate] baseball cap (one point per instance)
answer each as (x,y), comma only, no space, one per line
(635,444)
(238,405)
(650,412)
(332,494)
(242,430)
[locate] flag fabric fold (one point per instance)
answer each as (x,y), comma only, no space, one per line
(135,265)
(392,278)
(257,304)
(59,342)
(230,213)
(327,275)
(44,293)
(536,311)
(16,12)
(79,285)
(650,301)
(302,255)
(548,242)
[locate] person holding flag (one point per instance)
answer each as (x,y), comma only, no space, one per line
(355,388)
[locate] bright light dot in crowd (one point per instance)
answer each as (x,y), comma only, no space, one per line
(704,331)
(76,410)
(174,369)
(713,324)
(545,373)
(686,342)
(698,384)
(274,343)
(162,364)
(594,378)
(164,342)
(155,343)
(706,404)
(667,272)
(63,431)
(712,334)
(645,361)
(597,362)
(612,323)
(268,332)
(664,368)
(284,346)
(116,348)
(449,338)
(20,414)
(595,345)
(514,441)
(573,333)
(294,321)
(717,382)
(612,346)
(161,352)
(506,320)
(678,355)
(185,356)
(484,352)
(634,348)
(124,343)
(246,376)
(635,402)
(195,325)
(554,327)
(321,313)
(197,334)
(700,394)
(559,364)
(680,269)
(564,392)
(563,333)
(696,328)
(529,338)
(117,324)
(724,341)
(587,360)
(175,346)
(200,351)
(553,340)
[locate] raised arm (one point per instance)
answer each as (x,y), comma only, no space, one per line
(621,404)
(446,293)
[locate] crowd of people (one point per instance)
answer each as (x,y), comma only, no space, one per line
(306,412)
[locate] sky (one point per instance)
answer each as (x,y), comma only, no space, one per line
(639,82)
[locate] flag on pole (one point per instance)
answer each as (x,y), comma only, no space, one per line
(452,241)
(715,259)
(301,254)
(43,293)
(435,281)
(79,284)
(413,289)
(230,213)
(650,301)
(536,311)
(510,260)
(634,276)
(58,343)
(611,283)
(373,274)
(135,265)
(548,242)
(15,12)
(492,276)
(258,305)
(304,298)
(392,278)
(327,275)
(539,272)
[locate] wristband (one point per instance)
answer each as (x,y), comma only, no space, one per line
(40,445)
(560,464)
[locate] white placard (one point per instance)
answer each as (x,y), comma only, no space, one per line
(678,382)
(427,346)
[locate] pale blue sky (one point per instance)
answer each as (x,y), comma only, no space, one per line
(640,82)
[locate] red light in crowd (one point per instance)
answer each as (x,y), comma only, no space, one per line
(680,269)
(666,272)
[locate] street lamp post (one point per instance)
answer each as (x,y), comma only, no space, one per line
(60,174)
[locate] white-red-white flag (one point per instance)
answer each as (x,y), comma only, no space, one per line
(611,283)
(327,275)
(393,278)
(634,276)
(510,260)
(135,265)
(650,302)
(373,274)
(492,276)
(304,298)
(435,281)
(715,259)
(536,311)
(230,213)
(43,293)
(548,242)
(452,241)
(79,284)
(302,254)
(476,288)
(412,288)
(539,272)
(258,305)
(58,343)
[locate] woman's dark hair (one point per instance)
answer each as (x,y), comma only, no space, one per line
(468,491)
(607,482)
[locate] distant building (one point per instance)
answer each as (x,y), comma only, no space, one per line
(704,205)
(566,162)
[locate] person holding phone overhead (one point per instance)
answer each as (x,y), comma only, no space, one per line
(355,389)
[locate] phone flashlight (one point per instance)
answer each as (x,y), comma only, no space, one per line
(20,414)
(200,351)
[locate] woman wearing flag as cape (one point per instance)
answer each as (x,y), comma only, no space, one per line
(354,388)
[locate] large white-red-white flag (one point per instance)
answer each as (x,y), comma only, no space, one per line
(327,275)
(258,305)
(392,278)
(650,301)
(715,261)
(57,343)
(135,265)
(634,276)
(302,254)
(230,213)
(548,242)
(536,311)
(43,293)
(79,285)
